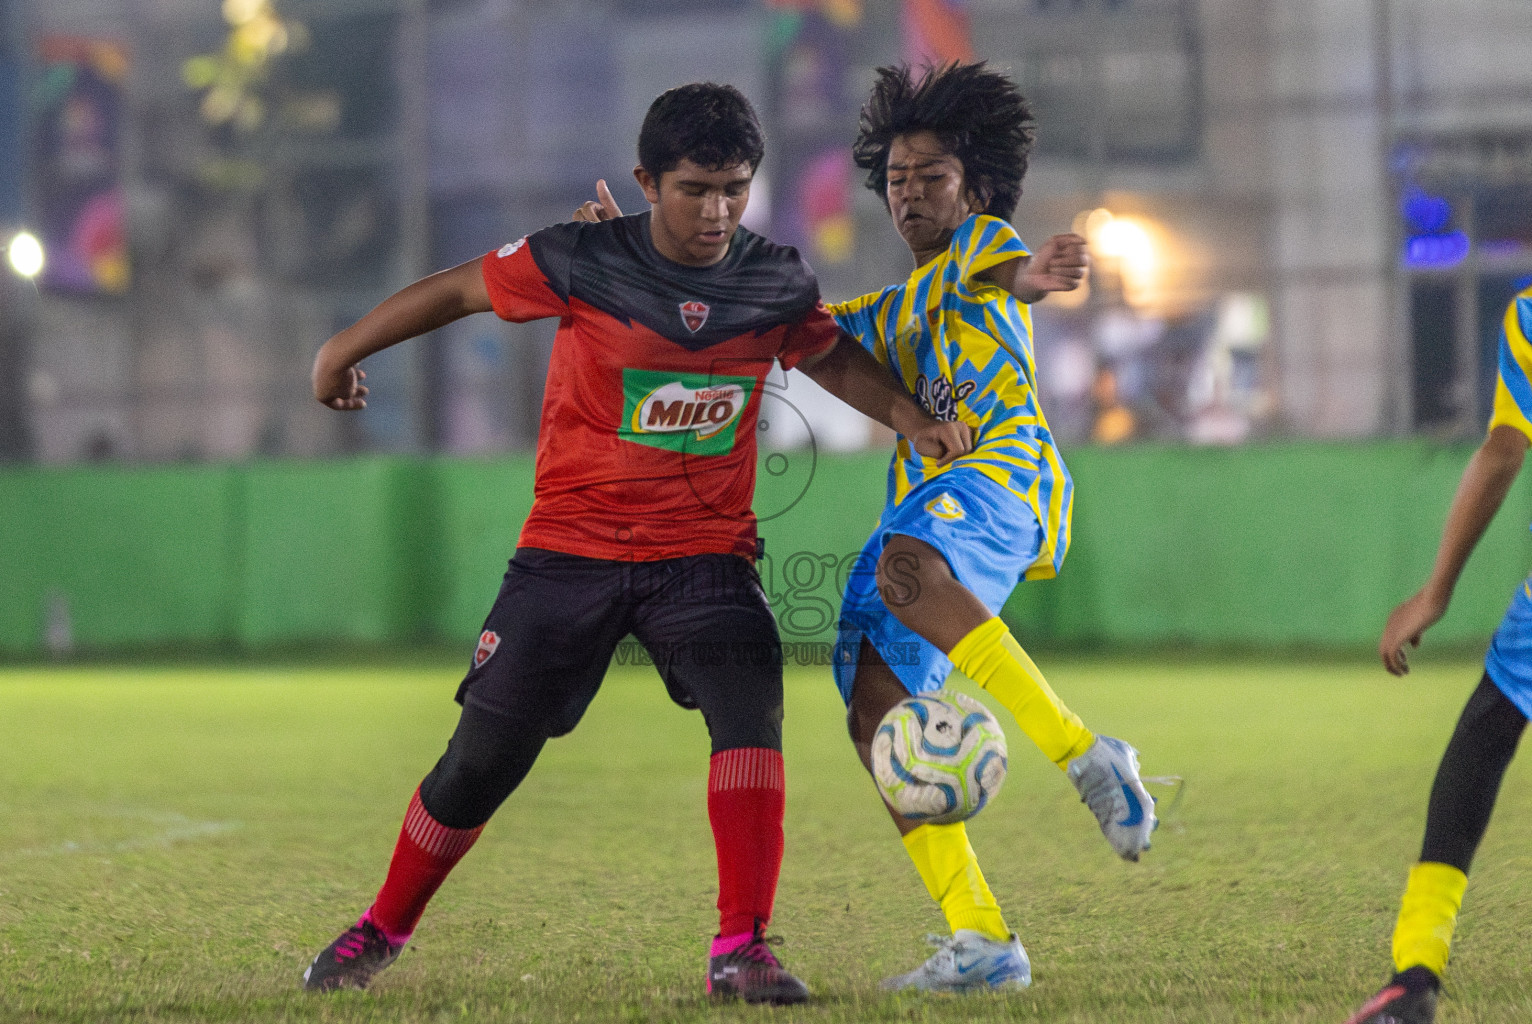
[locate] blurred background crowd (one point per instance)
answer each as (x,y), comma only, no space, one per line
(1306,217)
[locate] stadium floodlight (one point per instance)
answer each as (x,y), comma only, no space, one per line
(242,12)
(25,254)
(1127,240)
(1130,243)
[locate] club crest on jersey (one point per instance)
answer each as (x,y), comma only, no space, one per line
(488,641)
(507,249)
(945,506)
(694,315)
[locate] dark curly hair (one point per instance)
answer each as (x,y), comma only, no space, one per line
(978,115)
(712,125)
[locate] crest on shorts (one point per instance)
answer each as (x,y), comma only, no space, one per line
(694,315)
(488,641)
(510,247)
(945,507)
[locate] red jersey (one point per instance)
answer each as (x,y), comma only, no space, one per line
(646,446)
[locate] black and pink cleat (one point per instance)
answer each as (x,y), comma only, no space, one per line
(752,972)
(1408,998)
(351,960)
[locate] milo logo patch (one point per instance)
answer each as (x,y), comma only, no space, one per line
(694,413)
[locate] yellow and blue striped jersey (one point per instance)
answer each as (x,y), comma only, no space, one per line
(1513,388)
(963,348)
(1509,661)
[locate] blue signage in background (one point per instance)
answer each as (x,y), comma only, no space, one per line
(1430,245)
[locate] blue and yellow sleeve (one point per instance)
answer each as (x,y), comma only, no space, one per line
(1513,388)
(983,242)
(858,318)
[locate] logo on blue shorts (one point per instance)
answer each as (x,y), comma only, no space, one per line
(945,506)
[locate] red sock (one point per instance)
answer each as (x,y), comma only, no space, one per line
(426,851)
(745,797)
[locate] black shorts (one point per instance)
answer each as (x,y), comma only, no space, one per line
(703,619)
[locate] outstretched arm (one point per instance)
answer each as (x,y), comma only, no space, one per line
(1058,266)
(424,306)
(849,373)
(1480,493)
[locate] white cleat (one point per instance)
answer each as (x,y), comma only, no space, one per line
(968,961)
(1107,777)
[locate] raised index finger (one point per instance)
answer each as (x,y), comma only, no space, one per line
(608,203)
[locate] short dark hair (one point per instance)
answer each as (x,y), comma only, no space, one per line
(712,125)
(979,116)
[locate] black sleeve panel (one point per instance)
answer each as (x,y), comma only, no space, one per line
(553,249)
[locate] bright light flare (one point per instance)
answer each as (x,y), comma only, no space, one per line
(1130,243)
(242,12)
(1125,239)
(25,255)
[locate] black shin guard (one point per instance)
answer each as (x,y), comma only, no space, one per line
(486,760)
(1468,780)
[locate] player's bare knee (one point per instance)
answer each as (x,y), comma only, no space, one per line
(861,723)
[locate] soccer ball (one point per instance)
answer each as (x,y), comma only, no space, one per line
(938,757)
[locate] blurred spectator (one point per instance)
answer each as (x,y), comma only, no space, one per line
(1114,422)
(1114,375)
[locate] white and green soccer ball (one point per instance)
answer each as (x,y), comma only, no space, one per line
(938,757)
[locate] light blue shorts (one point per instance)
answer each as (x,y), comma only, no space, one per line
(1509,662)
(989,539)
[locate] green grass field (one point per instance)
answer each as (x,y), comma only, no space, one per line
(176,845)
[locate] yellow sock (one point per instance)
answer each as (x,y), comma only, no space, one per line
(951,872)
(1427,915)
(991,657)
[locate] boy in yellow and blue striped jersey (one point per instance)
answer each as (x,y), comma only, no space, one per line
(947,153)
(1468,779)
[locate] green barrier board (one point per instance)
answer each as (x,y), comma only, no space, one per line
(117,558)
(1269,546)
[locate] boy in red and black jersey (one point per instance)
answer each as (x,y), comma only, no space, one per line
(648,427)
(669,323)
